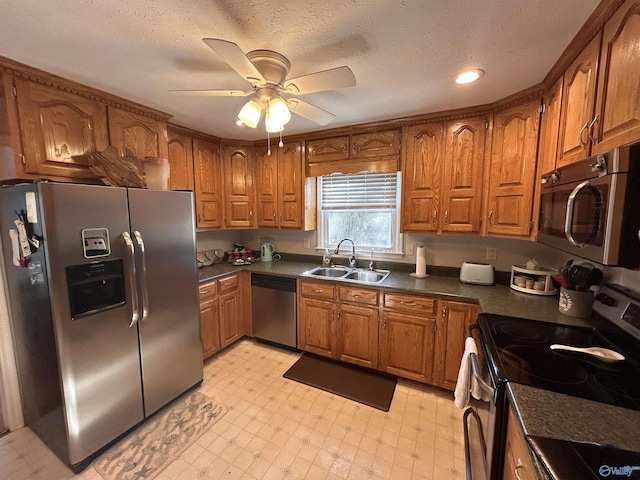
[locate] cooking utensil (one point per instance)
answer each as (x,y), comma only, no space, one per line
(603,354)
(578,276)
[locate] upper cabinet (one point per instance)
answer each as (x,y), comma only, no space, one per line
(618,97)
(548,144)
(372,152)
(180,148)
(577,113)
(142,136)
(512,170)
(442,175)
(285,198)
(239,193)
(208,183)
(59,130)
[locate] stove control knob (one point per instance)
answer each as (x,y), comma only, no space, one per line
(606,300)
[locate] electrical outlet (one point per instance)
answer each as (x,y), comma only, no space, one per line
(307,243)
(492,253)
(409,248)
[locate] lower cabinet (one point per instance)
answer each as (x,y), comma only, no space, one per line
(221,314)
(411,336)
(518,464)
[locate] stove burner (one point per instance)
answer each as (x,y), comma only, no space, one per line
(521,332)
(619,385)
(544,364)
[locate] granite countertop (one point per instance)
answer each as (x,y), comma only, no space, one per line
(497,299)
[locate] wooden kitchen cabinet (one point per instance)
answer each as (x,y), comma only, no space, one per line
(451,334)
(375,144)
(208,184)
(59,130)
(180,148)
(328,149)
(408,335)
(618,95)
(518,464)
(209,319)
(142,136)
(231,310)
(285,198)
(549,126)
(512,170)
(421,175)
(578,104)
(357,327)
(239,193)
(317,313)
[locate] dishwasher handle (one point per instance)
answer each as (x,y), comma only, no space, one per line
(285,284)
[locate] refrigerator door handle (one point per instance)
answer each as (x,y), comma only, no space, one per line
(143,275)
(131,274)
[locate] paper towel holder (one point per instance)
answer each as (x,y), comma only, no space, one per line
(421,263)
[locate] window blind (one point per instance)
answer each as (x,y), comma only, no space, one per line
(364,190)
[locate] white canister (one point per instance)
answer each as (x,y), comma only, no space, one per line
(156,171)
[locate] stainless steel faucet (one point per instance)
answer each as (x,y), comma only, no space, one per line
(352,259)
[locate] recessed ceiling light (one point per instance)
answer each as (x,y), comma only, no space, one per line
(469,76)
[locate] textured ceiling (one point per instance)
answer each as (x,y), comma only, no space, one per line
(404,53)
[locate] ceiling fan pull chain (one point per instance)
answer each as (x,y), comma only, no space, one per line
(268,144)
(281,144)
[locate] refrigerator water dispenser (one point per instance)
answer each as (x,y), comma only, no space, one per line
(95,287)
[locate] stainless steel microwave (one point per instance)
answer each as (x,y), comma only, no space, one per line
(591,208)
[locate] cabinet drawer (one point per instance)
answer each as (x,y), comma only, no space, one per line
(410,303)
(324,291)
(207,291)
(358,295)
(228,284)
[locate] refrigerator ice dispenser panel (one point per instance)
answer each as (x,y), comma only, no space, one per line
(95,287)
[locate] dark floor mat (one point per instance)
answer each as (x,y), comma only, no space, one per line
(355,383)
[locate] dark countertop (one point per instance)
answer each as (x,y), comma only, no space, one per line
(555,415)
(497,299)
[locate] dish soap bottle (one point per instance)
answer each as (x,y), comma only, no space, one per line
(326,258)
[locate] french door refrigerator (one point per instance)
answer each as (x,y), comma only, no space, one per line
(103,296)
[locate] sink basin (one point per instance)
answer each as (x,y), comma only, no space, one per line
(366,276)
(348,274)
(327,272)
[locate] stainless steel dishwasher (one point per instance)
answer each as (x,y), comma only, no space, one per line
(273,301)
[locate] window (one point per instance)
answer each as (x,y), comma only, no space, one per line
(363,207)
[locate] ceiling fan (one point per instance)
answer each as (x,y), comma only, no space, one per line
(267,72)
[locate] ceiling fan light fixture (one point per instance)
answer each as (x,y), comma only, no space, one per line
(277,115)
(469,76)
(251,113)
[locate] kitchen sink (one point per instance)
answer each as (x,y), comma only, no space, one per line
(348,274)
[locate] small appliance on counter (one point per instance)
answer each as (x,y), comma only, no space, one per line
(266,252)
(477,273)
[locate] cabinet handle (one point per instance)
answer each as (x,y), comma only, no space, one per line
(444,312)
(356,296)
(515,470)
(583,144)
(435,217)
(199,217)
(590,131)
(251,215)
(228,284)
(384,323)
(410,304)
(317,290)
(446,217)
(204,291)
(491,218)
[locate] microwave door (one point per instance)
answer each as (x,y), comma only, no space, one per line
(585,214)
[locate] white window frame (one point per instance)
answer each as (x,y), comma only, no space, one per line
(379,252)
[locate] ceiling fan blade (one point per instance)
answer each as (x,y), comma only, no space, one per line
(212,93)
(310,112)
(332,79)
(235,57)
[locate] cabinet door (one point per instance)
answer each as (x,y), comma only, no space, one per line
(316,326)
(357,334)
(142,136)
(328,149)
(209,327)
(451,334)
(421,177)
(59,130)
(376,144)
(462,180)
(266,188)
(618,107)
(518,464)
(208,184)
(291,181)
(238,187)
(230,318)
(180,161)
(512,172)
(407,345)
(578,103)
(549,126)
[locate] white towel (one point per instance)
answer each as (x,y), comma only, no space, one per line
(467,383)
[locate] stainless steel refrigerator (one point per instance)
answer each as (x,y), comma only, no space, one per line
(103,295)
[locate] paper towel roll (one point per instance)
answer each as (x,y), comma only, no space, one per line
(421,261)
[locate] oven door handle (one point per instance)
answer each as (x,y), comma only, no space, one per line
(568,221)
(475,369)
(467,440)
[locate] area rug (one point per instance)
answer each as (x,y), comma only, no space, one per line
(152,447)
(350,381)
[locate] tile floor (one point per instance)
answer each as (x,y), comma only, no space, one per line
(280,429)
